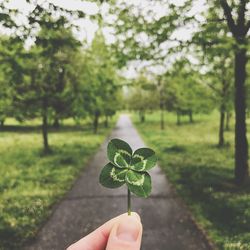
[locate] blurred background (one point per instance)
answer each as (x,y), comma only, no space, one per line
(179,68)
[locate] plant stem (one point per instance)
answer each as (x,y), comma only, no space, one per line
(129,203)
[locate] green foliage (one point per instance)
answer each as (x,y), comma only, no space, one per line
(142,32)
(11,54)
(127,167)
(143,96)
(6,16)
(215,51)
(140,95)
(180,88)
(203,175)
(98,92)
(184,89)
(44,89)
(54,52)
(64,81)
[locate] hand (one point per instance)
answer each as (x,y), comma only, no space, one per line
(120,233)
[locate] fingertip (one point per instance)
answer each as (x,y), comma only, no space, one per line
(136,215)
(133,214)
(126,233)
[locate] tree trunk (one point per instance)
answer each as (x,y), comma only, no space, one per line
(60,104)
(106,121)
(96,122)
(162,119)
(241,144)
(46,147)
(1,123)
(56,123)
(221,130)
(142,116)
(45,133)
(162,106)
(190,116)
(228,116)
(178,118)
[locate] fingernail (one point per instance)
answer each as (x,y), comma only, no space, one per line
(136,215)
(128,229)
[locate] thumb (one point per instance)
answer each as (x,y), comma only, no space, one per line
(126,234)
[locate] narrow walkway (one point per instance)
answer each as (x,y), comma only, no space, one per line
(167,225)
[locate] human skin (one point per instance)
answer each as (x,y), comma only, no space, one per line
(120,233)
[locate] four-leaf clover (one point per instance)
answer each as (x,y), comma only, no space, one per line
(128,167)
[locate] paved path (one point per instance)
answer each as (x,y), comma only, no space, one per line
(167,226)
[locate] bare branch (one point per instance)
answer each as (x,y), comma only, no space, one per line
(247,27)
(241,14)
(211,86)
(228,14)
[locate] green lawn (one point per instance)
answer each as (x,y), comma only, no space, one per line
(203,175)
(31,182)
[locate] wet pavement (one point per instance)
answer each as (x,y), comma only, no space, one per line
(167,224)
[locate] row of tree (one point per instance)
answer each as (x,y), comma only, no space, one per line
(179,90)
(220,45)
(57,77)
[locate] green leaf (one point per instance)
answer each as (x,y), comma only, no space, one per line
(139,183)
(112,176)
(119,153)
(143,159)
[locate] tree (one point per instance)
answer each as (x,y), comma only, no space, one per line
(134,22)
(9,52)
(44,90)
(214,51)
(112,104)
(143,96)
(144,34)
(248,91)
(11,74)
(55,43)
(185,92)
(239,25)
(98,81)
(5,97)
(162,99)
(6,16)
(222,88)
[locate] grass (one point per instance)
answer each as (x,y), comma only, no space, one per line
(202,174)
(31,182)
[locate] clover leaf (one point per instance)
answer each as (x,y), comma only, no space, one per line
(128,167)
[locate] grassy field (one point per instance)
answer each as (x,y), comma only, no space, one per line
(31,182)
(202,173)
